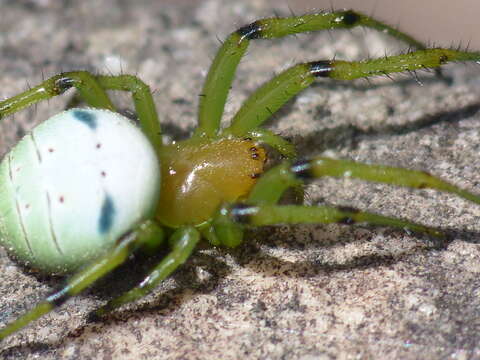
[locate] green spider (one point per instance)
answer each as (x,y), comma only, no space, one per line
(146,194)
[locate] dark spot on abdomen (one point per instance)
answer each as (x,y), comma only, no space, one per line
(87,117)
(107,215)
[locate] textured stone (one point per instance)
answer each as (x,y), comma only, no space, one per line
(309,292)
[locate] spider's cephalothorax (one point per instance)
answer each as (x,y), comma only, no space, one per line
(200,174)
(139,191)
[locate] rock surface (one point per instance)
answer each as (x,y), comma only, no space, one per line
(306,292)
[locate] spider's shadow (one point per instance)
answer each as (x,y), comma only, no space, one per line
(249,255)
(187,283)
(349,136)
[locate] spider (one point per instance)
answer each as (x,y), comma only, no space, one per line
(144,194)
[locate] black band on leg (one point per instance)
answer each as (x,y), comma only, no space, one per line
(350,18)
(348,220)
(251,31)
(303,170)
(58,297)
(321,68)
(241,213)
(63,84)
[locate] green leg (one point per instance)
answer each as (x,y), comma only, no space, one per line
(260,207)
(92,89)
(183,242)
(278,143)
(146,233)
(143,101)
(275,93)
(274,182)
(86,84)
(321,166)
(222,70)
(295,214)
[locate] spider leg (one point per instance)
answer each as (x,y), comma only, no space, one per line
(142,100)
(267,99)
(222,70)
(284,147)
(232,218)
(86,84)
(183,241)
(260,207)
(274,182)
(92,89)
(146,234)
(259,215)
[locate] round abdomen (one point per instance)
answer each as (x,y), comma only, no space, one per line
(72,186)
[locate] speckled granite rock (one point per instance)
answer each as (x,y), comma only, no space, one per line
(310,292)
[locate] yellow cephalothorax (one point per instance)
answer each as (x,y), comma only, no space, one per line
(199,176)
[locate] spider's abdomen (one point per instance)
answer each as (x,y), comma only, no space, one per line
(198,177)
(73,185)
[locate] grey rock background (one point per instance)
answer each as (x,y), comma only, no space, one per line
(309,292)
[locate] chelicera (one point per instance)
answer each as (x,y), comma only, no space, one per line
(144,193)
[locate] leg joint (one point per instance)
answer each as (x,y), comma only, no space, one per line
(241,213)
(251,31)
(322,68)
(350,18)
(134,84)
(59,297)
(303,170)
(62,84)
